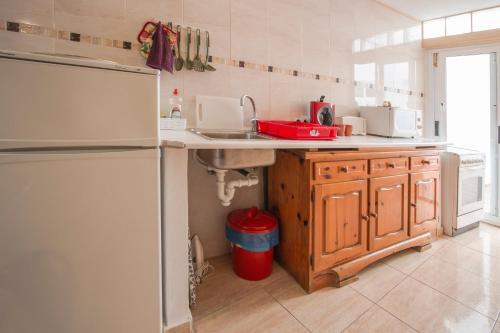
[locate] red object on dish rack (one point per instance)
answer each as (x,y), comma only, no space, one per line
(296,130)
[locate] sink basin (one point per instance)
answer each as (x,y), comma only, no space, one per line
(233,135)
(228,159)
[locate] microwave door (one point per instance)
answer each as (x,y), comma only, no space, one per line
(404,123)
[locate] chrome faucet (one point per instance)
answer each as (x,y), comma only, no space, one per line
(254,118)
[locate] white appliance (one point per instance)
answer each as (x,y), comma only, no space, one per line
(358,124)
(392,121)
(80,196)
(463,175)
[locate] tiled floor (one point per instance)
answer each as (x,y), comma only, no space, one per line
(453,287)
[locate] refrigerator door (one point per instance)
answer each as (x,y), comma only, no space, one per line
(76,103)
(80,242)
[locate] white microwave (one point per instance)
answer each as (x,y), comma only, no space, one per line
(392,122)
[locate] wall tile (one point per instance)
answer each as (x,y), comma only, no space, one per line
(249,38)
(286,98)
(255,84)
(25,43)
(94,8)
(39,12)
(163,10)
(285,34)
(209,12)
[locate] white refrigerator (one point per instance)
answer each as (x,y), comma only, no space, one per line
(79,196)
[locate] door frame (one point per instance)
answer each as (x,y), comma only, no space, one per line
(436,90)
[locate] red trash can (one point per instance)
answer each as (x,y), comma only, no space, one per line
(253,235)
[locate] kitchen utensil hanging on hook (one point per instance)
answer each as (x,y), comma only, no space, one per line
(198,65)
(179,62)
(207,66)
(189,62)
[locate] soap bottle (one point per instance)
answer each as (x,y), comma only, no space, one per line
(175,104)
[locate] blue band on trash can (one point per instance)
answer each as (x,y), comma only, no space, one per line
(253,242)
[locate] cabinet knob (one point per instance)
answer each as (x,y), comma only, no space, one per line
(365,217)
(426,162)
(391,165)
(374,215)
(344,169)
(413,204)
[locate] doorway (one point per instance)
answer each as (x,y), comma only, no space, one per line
(466,112)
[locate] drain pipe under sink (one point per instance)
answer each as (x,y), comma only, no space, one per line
(226,190)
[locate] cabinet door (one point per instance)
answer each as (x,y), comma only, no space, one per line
(424,202)
(388,211)
(340,223)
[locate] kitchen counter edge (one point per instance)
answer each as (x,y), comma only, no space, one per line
(188,140)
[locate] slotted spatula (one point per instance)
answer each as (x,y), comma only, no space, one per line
(207,66)
(198,65)
(179,62)
(189,62)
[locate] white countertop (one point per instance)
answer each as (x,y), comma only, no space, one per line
(188,140)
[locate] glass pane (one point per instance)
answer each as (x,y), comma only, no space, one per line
(459,24)
(486,19)
(468,92)
(472,190)
(434,28)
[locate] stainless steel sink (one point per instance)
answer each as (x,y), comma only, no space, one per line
(231,135)
(230,159)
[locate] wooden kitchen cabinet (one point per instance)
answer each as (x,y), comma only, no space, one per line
(340,211)
(388,211)
(424,202)
(340,221)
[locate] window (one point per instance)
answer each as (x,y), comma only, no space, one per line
(481,20)
(486,19)
(434,28)
(458,24)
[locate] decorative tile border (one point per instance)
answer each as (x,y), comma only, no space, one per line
(127,45)
(312,76)
(36,30)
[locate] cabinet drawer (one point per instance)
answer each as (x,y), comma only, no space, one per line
(341,170)
(424,163)
(388,166)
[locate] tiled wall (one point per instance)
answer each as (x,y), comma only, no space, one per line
(354,52)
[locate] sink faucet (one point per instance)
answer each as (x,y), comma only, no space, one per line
(254,118)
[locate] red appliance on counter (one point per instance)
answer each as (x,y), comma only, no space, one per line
(295,130)
(322,113)
(253,235)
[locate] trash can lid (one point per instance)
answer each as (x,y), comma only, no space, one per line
(251,220)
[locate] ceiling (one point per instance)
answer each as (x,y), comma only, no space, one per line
(429,9)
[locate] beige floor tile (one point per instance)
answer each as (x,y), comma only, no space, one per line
(326,310)
(471,260)
(438,244)
(427,310)
(470,289)
(484,230)
(224,287)
(407,261)
(377,320)
(488,241)
(489,247)
(377,280)
(257,312)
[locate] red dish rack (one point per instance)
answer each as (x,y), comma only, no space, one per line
(296,130)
